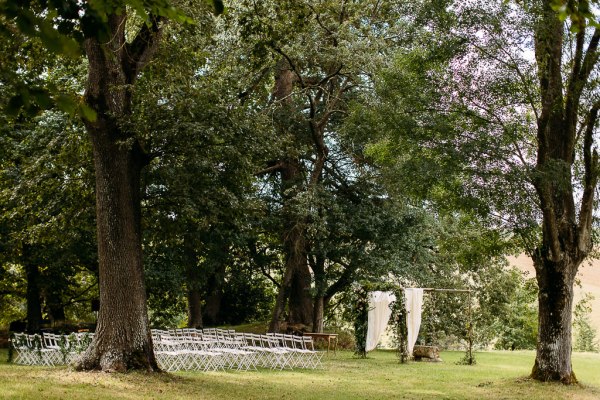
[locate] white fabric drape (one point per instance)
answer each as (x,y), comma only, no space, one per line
(379,315)
(413,300)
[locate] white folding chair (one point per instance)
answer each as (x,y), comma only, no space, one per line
(314,361)
(23,352)
(281,357)
(52,349)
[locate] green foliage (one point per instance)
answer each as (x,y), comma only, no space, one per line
(12,289)
(360,317)
(444,320)
(345,340)
(426,120)
(400,335)
(585,334)
(468,359)
(247,297)
(579,13)
(61,28)
(164,283)
(514,310)
(198,208)
(46,189)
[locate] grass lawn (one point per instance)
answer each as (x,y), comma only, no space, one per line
(497,375)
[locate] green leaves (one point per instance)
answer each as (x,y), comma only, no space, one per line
(61,27)
(31,23)
(585,333)
(32,100)
(578,12)
(218,5)
(87,112)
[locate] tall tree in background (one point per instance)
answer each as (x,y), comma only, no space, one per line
(317,62)
(46,183)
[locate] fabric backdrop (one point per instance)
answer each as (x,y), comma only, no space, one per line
(379,315)
(380,312)
(413,300)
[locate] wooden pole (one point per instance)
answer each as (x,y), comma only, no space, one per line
(470,332)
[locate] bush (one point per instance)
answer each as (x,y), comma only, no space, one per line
(585,334)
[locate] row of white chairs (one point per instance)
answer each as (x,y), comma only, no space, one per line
(184,350)
(48,349)
(215,349)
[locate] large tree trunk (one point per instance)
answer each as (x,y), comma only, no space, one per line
(318,312)
(555,283)
(194,297)
(122,340)
(300,304)
(281,301)
(214,296)
(295,286)
(34,305)
(318,267)
(194,284)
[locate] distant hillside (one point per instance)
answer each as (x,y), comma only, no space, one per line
(589,277)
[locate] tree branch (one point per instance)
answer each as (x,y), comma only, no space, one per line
(292,66)
(243,96)
(254,252)
(272,168)
(75,299)
(591,57)
(344,280)
(590,160)
(142,48)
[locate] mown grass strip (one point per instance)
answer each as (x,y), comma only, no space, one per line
(497,375)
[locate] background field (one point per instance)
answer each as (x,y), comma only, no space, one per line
(497,375)
(589,281)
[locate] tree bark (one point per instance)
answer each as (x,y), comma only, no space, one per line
(318,267)
(193,283)
(281,301)
(34,305)
(122,340)
(318,312)
(214,296)
(294,291)
(553,357)
(301,303)
(296,283)
(194,297)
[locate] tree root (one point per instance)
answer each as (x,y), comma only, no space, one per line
(553,376)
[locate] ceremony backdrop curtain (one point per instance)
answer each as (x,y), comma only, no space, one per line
(413,300)
(379,315)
